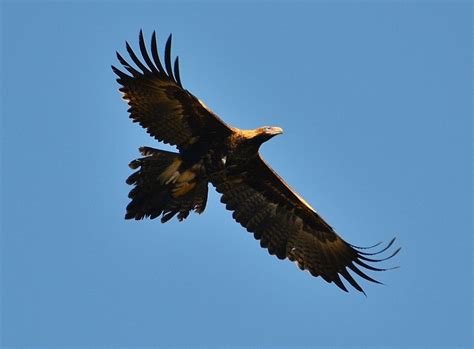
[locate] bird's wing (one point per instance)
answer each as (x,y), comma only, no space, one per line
(160,104)
(290,228)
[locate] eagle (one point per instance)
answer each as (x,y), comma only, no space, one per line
(168,184)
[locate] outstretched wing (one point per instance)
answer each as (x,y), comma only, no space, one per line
(160,104)
(290,228)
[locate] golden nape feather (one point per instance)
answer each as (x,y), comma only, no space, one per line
(168,184)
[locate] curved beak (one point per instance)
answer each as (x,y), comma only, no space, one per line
(276,131)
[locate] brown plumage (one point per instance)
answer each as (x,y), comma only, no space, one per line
(168,184)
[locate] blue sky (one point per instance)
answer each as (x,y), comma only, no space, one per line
(376,102)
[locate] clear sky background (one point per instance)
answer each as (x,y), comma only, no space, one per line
(376,103)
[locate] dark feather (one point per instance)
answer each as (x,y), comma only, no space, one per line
(145,55)
(127,66)
(169,67)
(135,59)
(121,75)
(176,71)
(154,53)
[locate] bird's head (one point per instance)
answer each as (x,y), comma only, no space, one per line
(264,133)
(260,135)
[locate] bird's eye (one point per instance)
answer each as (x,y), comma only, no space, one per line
(266,128)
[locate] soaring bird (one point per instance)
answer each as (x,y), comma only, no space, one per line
(210,151)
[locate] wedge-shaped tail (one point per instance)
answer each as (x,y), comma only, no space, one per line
(165,186)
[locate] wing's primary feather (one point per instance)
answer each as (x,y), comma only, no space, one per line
(169,68)
(290,228)
(160,104)
(154,52)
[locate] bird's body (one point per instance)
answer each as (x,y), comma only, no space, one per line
(168,184)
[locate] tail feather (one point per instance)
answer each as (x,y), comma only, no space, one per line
(164,187)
